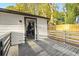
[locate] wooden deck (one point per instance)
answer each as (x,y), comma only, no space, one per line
(47,47)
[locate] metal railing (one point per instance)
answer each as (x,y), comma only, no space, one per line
(5,43)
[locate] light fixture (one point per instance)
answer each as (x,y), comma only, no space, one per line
(20,21)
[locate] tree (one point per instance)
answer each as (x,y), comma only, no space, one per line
(44,10)
(10,7)
(72,10)
(23,7)
(41,9)
(36,9)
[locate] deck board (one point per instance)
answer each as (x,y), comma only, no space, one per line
(47,47)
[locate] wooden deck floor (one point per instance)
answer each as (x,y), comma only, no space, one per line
(47,47)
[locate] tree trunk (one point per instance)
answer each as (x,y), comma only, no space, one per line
(36,9)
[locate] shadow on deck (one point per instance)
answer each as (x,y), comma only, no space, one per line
(47,47)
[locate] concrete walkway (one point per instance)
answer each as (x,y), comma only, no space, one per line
(47,47)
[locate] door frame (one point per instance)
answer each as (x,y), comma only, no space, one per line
(25,18)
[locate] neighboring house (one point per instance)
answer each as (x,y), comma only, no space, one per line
(77,19)
(17,23)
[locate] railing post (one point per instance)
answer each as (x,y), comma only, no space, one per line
(64,36)
(1,49)
(10,39)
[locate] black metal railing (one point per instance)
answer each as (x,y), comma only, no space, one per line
(5,43)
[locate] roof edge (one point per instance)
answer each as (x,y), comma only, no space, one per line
(20,13)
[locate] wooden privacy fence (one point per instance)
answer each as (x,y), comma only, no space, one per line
(58,35)
(68,27)
(72,37)
(64,36)
(5,43)
(64,27)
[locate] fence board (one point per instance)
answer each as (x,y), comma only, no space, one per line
(65,36)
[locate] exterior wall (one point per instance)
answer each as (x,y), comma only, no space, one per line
(42,28)
(10,23)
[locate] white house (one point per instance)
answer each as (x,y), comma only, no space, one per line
(77,19)
(18,22)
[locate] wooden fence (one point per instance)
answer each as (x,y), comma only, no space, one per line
(68,27)
(64,27)
(72,37)
(64,36)
(5,43)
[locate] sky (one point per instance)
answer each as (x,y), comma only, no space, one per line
(60,7)
(4,5)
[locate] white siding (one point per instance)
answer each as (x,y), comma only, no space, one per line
(10,23)
(41,28)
